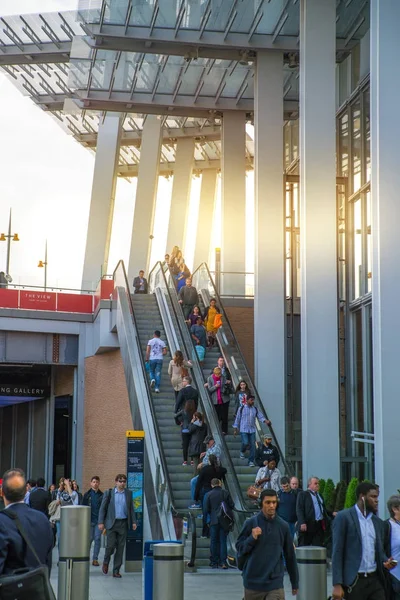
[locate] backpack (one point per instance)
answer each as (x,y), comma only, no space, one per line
(26,583)
(225,516)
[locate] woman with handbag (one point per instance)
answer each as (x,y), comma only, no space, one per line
(269,477)
(209,321)
(219,391)
(177,369)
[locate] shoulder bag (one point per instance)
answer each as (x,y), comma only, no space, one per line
(26,583)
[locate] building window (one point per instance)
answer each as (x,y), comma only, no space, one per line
(356,144)
(358,249)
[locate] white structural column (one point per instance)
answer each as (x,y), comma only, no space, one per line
(146,193)
(233,163)
(206,214)
(269,296)
(181,187)
(385,181)
(102,201)
(319,304)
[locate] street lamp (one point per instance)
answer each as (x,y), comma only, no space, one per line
(8,237)
(43,263)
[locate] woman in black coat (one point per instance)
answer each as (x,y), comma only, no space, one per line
(207,473)
(184,417)
(198,433)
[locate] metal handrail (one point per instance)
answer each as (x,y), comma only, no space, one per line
(233,369)
(121,267)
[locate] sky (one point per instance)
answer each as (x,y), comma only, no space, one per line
(46,179)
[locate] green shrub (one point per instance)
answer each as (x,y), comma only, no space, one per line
(328,494)
(341,496)
(351,493)
(322,484)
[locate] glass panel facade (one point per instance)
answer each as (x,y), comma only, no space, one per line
(357,257)
(356,145)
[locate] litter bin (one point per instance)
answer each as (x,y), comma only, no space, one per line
(73,570)
(311,561)
(148,566)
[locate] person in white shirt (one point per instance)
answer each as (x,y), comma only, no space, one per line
(155,352)
(269,477)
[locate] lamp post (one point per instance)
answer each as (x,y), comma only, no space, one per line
(8,237)
(43,263)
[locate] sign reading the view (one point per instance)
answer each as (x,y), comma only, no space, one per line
(135,469)
(38,300)
(24,390)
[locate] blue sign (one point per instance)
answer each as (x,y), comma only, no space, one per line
(135,471)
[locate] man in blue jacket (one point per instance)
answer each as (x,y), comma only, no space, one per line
(261,543)
(358,559)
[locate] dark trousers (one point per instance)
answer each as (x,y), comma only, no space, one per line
(367,588)
(185,445)
(218,547)
(222,411)
(116,539)
(314,536)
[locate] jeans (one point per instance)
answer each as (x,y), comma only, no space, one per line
(58,529)
(218,548)
(155,371)
(193,483)
(95,535)
(249,439)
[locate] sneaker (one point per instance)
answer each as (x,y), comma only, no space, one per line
(152,383)
(251,464)
(224,566)
(184,464)
(194,505)
(157,391)
(242,456)
(95,563)
(200,516)
(191,463)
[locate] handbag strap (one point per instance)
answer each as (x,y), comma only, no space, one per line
(12,515)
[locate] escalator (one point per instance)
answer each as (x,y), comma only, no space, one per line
(229,348)
(168,482)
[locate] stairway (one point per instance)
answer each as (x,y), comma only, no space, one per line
(148,319)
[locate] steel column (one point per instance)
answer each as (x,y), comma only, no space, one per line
(319,302)
(102,201)
(269,295)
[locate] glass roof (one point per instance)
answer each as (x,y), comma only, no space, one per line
(56,60)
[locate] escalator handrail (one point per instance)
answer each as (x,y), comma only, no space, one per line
(288,469)
(205,398)
(150,405)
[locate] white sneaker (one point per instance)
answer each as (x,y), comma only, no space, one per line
(157,391)
(152,383)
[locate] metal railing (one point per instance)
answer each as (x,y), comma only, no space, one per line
(204,283)
(143,410)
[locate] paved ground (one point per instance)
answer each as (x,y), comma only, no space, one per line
(206,584)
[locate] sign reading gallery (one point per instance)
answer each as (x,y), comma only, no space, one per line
(24,390)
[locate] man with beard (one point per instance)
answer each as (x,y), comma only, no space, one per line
(358,559)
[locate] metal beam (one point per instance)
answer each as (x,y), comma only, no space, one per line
(166,169)
(193,43)
(161,105)
(134,138)
(49,53)
(163,41)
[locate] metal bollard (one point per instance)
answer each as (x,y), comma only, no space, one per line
(73,570)
(168,572)
(311,561)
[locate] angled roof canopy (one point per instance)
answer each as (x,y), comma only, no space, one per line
(186,60)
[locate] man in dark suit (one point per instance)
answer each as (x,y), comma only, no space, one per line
(13,553)
(186,393)
(312,518)
(140,284)
(40,498)
(117,516)
(358,558)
